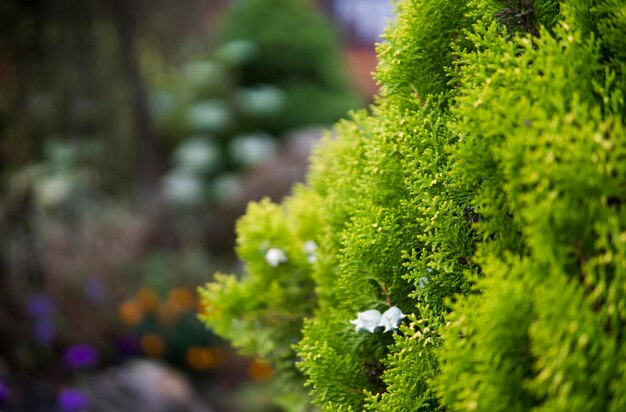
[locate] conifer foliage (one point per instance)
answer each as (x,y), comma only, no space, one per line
(483,196)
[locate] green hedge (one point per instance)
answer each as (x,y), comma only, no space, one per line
(483,196)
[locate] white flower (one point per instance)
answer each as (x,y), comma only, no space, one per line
(197,155)
(391,318)
(421,282)
(252,149)
(261,101)
(183,188)
(275,257)
(368,320)
(53,190)
(209,116)
(310,247)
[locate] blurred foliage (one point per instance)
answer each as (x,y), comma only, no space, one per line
(125,130)
(296,50)
(226,111)
(214,127)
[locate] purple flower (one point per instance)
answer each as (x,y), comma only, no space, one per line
(81,356)
(94,289)
(44,331)
(39,305)
(5,392)
(71,400)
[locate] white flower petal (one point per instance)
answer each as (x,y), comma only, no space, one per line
(421,282)
(275,257)
(368,320)
(309,246)
(391,318)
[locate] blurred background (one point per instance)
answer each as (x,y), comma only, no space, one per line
(132,135)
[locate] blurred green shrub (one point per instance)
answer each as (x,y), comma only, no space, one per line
(483,197)
(296,50)
(277,67)
(214,127)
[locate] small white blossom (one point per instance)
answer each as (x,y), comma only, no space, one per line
(183,188)
(197,155)
(421,282)
(252,149)
(53,190)
(368,320)
(391,318)
(275,257)
(310,247)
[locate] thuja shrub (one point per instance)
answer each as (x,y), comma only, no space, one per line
(463,245)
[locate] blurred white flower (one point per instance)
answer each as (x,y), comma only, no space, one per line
(252,149)
(209,116)
(261,101)
(391,318)
(368,320)
(182,188)
(53,190)
(310,248)
(275,257)
(197,155)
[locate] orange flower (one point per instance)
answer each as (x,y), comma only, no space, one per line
(201,358)
(152,345)
(130,313)
(167,316)
(259,371)
(148,300)
(180,299)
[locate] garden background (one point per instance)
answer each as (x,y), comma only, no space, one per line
(132,135)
